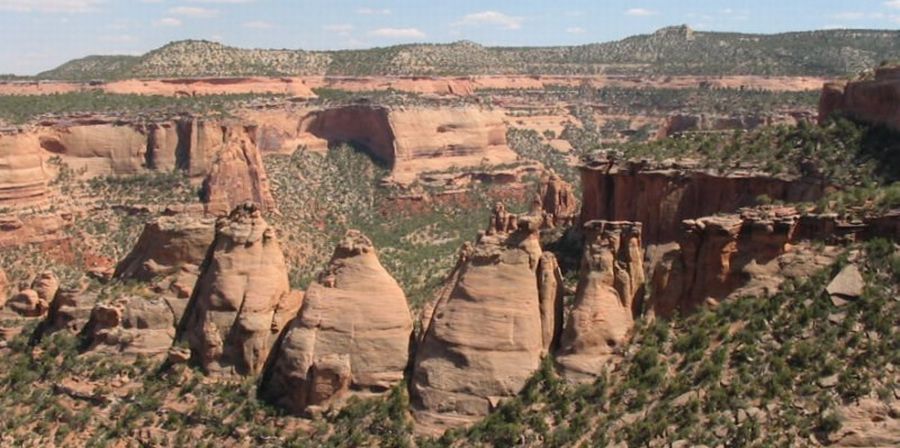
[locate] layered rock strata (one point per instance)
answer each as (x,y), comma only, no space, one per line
(352,334)
(875,100)
(610,289)
(661,196)
(487,332)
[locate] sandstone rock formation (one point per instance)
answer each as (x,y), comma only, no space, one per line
(23,175)
(242,298)
(716,255)
(237,174)
(682,123)
(610,287)
(352,333)
(662,196)
(4,284)
(486,336)
(557,199)
(131,325)
(70,310)
(167,258)
(417,139)
(34,301)
(222,151)
(875,100)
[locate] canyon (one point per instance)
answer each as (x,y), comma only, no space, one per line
(576,254)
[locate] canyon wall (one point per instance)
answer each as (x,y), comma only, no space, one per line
(875,100)
(661,196)
(220,153)
(410,140)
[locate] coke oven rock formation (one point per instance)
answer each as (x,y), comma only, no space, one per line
(242,299)
(875,100)
(661,196)
(352,334)
(487,333)
(610,287)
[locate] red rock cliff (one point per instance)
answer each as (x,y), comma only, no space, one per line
(874,100)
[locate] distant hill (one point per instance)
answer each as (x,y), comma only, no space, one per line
(669,51)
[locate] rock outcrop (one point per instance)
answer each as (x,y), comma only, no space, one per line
(662,196)
(131,325)
(352,333)
(237,174)
(610,289)
(35,300)
(557,200)
(223,152)
(486,335)
(875,100)
(242,298)
(417,139)
(23,174)
(167,258)
(683,123)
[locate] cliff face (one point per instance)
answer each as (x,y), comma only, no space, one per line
(610,287)
(23,173)
(242,298)
(223,153)
(660,197)
(486,334)
(876,100)
(353,332)
(411,140)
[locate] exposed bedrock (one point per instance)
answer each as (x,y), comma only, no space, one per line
(242,299)
(662,196)
(610,288)
(875,100)
(489,330)
(223,152)
(166,259)
(716,256)
(411,140)
(352,334)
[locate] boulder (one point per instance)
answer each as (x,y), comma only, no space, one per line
(131,325)
(238,303)
(353,332)
(27,303)
(611,282)
(847,284)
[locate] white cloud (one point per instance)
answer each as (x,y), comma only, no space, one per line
(258,25)
(373,12)
(491,18)
(64,6)
(167,21)
(575,30)
(194,11)
(640,12)
(848,16)
(341,29)
(892,4)
(233,2)
(398,33)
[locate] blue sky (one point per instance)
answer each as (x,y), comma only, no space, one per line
(39,34)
